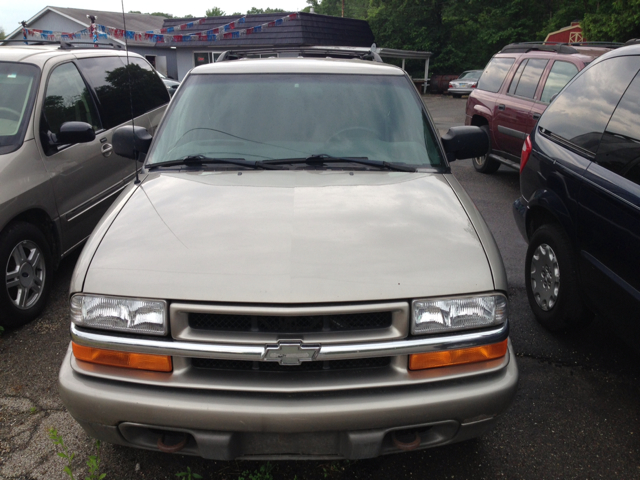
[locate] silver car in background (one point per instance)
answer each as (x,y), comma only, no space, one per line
(465,83)
(297,275)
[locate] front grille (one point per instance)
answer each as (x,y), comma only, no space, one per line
(236,365)
(289,324)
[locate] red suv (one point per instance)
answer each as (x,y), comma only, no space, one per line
(515,88)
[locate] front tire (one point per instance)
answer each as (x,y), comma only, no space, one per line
(25,258)
(485,164)
(551,279)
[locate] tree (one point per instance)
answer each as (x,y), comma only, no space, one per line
(2,34)
(616,21)
(215,12)
(255,10)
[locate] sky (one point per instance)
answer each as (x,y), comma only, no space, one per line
(13,11)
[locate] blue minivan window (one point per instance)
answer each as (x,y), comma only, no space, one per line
(580,114)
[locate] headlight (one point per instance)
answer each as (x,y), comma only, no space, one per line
(444,315)
(132,315)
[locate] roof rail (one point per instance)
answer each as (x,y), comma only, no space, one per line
(362,53)
(558,47)
(64,44)
(524,47)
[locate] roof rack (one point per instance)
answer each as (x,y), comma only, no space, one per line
(64,44)
(362,53)
(558,47)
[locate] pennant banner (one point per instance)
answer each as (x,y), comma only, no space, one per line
(163,35)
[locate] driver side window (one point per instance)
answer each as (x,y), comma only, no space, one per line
(67,99)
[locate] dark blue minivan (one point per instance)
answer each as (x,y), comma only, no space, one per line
(579,208)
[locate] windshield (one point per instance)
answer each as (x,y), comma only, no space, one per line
(17,91)
(283,116)
(471,75)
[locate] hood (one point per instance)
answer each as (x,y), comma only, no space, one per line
(290,237)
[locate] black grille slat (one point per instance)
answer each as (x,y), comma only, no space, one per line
(290,324)
(239,365)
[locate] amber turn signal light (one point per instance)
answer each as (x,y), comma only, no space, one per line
(137,361)
(423,361)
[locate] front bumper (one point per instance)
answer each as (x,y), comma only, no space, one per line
(346,424)
(460,90)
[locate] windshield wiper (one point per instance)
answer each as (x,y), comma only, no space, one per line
(202,160)
(323,158)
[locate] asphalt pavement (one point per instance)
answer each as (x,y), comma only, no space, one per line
(576,413)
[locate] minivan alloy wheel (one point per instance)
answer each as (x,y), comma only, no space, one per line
(25,274)
(545,277)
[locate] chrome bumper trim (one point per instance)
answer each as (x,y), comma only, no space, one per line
(465,339)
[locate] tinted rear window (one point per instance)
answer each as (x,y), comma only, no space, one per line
(494,74)
(620,147)
(581,112)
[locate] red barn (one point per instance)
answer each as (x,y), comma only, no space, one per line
(571,34)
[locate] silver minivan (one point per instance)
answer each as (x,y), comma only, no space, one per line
(59,106)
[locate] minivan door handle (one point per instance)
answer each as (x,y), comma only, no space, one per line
(536,116)
(107,149)
(501,107)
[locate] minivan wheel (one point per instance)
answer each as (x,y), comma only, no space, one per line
(25,258)
(551,280)
(485,164)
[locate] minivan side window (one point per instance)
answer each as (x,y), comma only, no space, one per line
(67,99)
(580,114)
(494,74)
(559,76)
(620,147)
(148,90)
(118,87)
(530,78)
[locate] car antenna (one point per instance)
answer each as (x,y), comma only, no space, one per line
(133,126)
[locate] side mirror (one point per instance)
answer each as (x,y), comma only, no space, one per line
(465,142)
(130,141)
(75,132)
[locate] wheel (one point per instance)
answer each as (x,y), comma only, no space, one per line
(551,280)
(25,257)
(485,164)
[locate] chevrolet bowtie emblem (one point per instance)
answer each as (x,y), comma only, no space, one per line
(290,353)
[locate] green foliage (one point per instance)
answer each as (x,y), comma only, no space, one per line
(1,38)
(464,34)
(263,473)
(617,21)
(255,10)
(352,8)
(93,462)
(214,12)
(157,14)
(188,475)
(57,440)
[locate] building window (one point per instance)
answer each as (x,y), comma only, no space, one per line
(202,58)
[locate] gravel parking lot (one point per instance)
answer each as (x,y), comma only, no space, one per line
(576,414)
